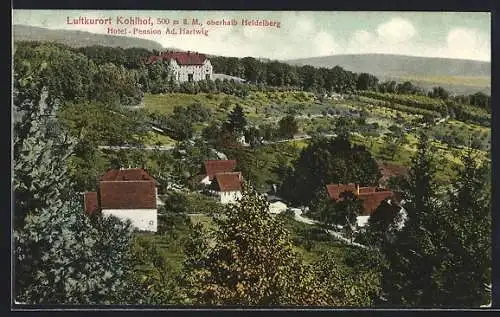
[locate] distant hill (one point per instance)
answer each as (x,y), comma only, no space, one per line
(75,38)
(457,75)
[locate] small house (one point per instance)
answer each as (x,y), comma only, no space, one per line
(371,196)
(213,167)
(126,194)
(227,187)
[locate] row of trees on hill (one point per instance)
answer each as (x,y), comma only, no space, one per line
(72,77)
(88,73)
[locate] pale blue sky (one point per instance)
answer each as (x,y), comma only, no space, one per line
(306,34)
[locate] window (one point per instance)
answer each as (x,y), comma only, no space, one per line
(190,77)
(151,222)
(207,76)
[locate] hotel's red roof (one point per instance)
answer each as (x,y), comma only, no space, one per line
(182,58)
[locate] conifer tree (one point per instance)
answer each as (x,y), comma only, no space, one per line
(237,120)
(61,256)
(411,257)
(442,257)
(466,268)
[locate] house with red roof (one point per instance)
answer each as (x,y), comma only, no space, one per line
(126,194)
(226,186)
(186,66)
(371,196)
(221,180)
(212,167)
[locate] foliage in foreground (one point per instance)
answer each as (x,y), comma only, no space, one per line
(442,257)
(61,256)
(248,259)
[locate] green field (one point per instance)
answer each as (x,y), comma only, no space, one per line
(269,106)
(254,103)
(481,81)
(154,138)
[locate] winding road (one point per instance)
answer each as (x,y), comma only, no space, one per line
(298,217)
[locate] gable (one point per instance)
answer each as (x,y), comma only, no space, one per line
(181,58)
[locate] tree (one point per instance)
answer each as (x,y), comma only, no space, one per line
(250,261)
(347,209)
(439,92)
(481,100)
(347,287)
(461,282)
(382,224)
(391,146)
(405,282)
(322,208)
(366,82)
(61,255)
(329,161)
(343,127)
(237,120)
(429,260)
(253,136)
(37,156)
(288,127)
(190,156)
(64,258)
(180,124)
(156,277)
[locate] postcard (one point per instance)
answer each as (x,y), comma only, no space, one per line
(251,159)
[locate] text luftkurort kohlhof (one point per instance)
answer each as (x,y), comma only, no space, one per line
(122,25)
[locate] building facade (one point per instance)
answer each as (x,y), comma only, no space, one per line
(128,194)
(186,66)
(227,187)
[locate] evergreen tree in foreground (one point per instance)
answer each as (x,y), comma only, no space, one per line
(61,256)
(442,255)
(413,255)
(466,269)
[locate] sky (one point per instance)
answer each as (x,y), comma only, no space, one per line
(301,34)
